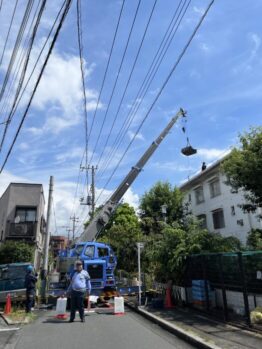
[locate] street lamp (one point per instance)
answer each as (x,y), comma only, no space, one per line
(164,211)
(140,245)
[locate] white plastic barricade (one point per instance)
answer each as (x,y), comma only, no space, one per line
(119,308)
(61,308)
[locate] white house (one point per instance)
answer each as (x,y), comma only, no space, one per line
(217,204)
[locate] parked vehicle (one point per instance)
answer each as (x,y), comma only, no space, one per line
(12,278)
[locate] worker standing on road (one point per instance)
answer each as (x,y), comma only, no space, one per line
(30,285)
(79,287)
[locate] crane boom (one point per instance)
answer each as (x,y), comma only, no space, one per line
(102,217)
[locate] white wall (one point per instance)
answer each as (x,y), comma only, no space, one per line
(225,200)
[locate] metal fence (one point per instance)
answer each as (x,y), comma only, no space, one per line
(227,285)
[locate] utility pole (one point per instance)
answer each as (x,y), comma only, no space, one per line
(92,187)
(47,239)
(93,169)
(75,220)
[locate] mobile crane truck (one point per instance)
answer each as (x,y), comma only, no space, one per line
(98,258)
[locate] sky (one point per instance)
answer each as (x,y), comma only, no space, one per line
(218,83)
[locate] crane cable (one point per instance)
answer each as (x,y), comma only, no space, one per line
(160,91)
(64,14)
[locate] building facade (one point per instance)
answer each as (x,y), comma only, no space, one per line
(22,208)
(57,243)
(217,204)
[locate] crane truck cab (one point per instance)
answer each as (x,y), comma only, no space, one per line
(98,259)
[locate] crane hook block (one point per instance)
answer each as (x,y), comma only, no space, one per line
(188,150)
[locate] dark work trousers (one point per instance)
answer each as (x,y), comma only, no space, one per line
(77,303)
(30,300)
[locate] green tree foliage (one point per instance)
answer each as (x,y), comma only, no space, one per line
(162,193)
(166,257)
(254,239)
(15,252)
(244,165)
(122,233)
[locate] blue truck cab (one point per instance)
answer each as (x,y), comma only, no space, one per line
(98,259)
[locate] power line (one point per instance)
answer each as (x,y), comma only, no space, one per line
(128,80)
(172,29)
(19,64)
(66,9)
(160,91)
(38,58)
(22,77)
(116,80)
(16,46)
(107,66)
(9,29)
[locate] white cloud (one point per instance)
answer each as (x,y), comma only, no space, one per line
(60,96)
(131,198)
(171,166)
(212,153)
(23,146)
(198,10)
(256,41)
(204,47)
(139,136)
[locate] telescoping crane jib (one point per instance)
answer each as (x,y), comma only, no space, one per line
(102,217)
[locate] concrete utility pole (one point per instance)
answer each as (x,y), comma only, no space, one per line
(75,220)
(47,239)
(92,187)
(93,169)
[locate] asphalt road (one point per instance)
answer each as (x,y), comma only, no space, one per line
(107,331)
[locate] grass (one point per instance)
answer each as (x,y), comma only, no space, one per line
(19,315)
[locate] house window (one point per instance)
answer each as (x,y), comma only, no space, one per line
(214,188)
(218,219)
(199,195)
(233,212)
(189,198)
(25,214)
(203,220)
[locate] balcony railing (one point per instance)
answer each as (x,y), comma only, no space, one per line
(22,230)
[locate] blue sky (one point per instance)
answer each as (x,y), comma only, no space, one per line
(218,82)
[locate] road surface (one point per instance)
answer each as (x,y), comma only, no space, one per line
(107,331)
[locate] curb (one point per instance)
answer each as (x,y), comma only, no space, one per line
(190,338)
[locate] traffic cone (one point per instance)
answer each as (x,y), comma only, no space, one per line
(8,304)
(168,299)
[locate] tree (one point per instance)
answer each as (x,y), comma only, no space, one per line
(166,257)
(162,193)
(122,233)
(254,239)
(243,167)
(15,252)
